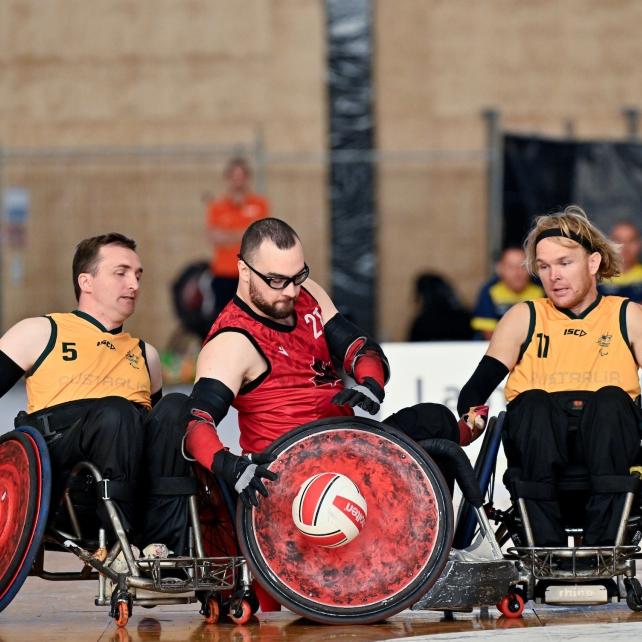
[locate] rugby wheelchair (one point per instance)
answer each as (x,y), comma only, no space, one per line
(571,575)
(398,556)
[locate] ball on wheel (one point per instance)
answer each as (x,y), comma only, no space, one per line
(329,510)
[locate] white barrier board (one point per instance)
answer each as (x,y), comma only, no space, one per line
(420,372)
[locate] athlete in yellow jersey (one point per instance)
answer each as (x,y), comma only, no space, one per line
(85,360)
(573,360)
(91,386)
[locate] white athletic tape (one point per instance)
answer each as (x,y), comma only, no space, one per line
(366,392)
(244,480)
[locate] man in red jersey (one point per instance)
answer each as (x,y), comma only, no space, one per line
(270,354)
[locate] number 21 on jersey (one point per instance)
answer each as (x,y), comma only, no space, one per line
(317,322)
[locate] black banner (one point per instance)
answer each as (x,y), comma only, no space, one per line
(351,129)
(542,176)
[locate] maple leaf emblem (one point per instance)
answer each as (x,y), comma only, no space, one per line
(324,373)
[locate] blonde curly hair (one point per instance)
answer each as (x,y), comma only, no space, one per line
(573,222)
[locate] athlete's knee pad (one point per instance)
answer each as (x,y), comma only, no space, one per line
(426,421)
(170,410)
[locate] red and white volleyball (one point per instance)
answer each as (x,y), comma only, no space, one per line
(329,510)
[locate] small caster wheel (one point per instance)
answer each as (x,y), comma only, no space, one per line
(511,605)
(633,594)
(212,611)
(122,616)
(242,613)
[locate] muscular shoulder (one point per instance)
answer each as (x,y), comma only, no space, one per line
(328,309)
(230,357)
(154,365)
(510,334)
(25,341)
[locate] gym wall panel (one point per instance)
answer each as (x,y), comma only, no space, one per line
(163,79)
(547,66)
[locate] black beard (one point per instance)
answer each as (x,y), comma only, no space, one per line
(283,311)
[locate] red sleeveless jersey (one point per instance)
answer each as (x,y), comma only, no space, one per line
(300,379)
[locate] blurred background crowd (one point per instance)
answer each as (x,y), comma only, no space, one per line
(409,142)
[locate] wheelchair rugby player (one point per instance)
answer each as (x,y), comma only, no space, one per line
(571,432)
(95,408)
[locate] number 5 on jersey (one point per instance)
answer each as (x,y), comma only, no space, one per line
(69,352)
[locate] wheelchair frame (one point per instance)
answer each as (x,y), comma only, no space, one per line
(200,578)
(568,575)
(390,462)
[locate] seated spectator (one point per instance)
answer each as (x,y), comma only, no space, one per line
(441,316)
(629,282)
(512,284)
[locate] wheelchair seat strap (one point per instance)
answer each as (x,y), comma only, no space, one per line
(614,483)
(109,489)
(534,490)
(169,486)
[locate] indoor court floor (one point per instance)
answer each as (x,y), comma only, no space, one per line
(64,612)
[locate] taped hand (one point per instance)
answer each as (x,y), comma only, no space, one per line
(472,424)
(367,395)
(244,473)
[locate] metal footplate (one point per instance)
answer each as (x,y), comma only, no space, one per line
(180,574)
(584,563)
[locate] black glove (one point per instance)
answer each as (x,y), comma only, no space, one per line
(367,395)
(244,473)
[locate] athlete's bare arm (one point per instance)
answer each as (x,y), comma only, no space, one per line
(509,335)
(634,329)
(25,341)
(154,365)
(328,309)
(230,358)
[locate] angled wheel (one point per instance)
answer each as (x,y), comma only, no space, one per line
(122,616)
(398,555)
(213,611)
(25,491)
(633,594)
(511,605)
(242,613)
(215,512)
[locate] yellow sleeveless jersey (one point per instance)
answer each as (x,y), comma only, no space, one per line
(563,352)
(83,360)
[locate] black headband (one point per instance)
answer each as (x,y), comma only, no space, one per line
(556,231)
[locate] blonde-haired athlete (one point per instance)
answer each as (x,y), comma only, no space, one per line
(572,360)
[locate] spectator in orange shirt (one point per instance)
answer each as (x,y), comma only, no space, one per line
(227,219)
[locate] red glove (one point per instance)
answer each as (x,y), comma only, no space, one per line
(472,424)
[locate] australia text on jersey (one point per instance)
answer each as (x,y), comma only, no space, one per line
(94,381)
(561,377)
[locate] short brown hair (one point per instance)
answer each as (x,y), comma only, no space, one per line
(86,255)
(573,221)
(270,229)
